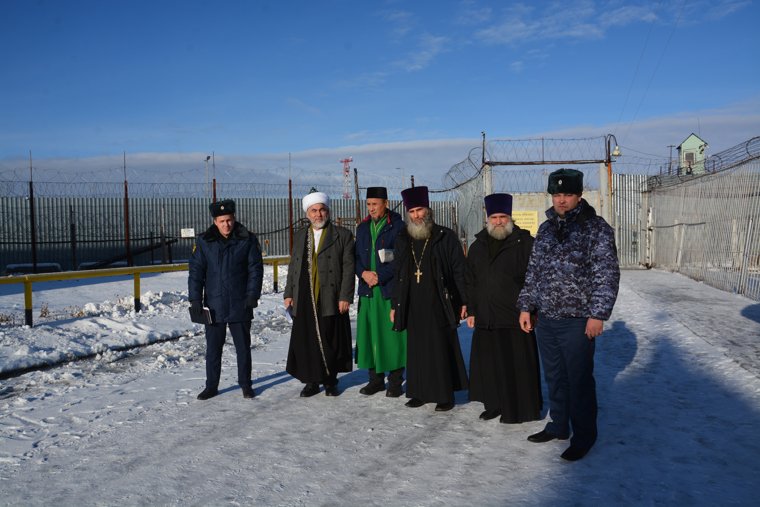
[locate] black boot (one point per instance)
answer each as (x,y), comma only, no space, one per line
(309,389)
(375,385)
(331,385)
(395,378)
(207,393)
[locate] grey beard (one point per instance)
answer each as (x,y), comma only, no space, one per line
(316,225)
(420,231)
(499,232)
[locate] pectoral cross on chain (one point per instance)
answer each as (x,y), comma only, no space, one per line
(418,263)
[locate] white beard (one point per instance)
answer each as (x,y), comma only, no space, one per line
(499,232)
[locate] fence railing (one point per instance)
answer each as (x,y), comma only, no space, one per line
(28,280)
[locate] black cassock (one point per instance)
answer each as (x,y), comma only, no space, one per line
(504,373)
(435,366)
(304,355)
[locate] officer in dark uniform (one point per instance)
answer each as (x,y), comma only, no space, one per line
(226,273)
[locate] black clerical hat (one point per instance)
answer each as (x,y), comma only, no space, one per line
(415,197)
(377,193)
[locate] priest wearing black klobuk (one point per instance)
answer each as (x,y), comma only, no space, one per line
(318,293)
(429,302)
(504,365)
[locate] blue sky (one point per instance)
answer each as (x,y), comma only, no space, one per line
(411,83)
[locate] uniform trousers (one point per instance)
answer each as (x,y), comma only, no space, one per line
(215,337)
(567,357)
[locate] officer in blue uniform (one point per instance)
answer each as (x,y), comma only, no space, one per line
(226,273)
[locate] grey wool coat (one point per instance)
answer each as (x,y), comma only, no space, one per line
(335,261)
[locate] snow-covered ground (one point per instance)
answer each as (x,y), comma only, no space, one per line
(678,375)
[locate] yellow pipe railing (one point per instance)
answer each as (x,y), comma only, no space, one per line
(28,280)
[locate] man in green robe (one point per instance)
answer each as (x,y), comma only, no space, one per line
(379,349)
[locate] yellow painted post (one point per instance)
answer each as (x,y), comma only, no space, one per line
(137,291)
(275,277)
(28,280)
(28,302)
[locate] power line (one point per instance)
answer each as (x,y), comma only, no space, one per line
(654,72)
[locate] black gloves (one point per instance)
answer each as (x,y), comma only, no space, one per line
(196,312)
(197,315)
(251,302)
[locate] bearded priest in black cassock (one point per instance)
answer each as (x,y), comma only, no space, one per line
(504,371)
(429,302)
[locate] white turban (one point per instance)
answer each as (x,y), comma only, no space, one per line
(313,198)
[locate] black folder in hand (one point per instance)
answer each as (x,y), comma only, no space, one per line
(202,317)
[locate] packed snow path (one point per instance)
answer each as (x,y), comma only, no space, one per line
(678,376)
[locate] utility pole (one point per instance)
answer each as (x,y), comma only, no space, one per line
(486,168)
(213,181)
(208,192)
(356,193)
(32,221)
(127,245)
(670,158)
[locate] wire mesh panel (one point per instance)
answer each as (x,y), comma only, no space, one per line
(630,218)
(77,232)
(707,228)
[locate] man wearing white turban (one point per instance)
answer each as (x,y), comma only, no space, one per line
(319,291)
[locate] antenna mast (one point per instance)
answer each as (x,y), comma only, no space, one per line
(347,176)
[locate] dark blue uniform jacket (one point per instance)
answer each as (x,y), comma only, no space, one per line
(226,274)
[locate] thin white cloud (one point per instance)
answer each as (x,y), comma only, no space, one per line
(471,13)
(428,160)
(628,14)
(429,47)
(696,12)
(588,20)
(366,80)
(303,106)
(401,22)
(391,134)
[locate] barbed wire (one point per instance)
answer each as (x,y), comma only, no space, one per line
(723,161)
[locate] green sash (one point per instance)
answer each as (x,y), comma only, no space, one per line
(314,256)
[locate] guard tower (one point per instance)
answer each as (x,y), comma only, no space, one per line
(691,155)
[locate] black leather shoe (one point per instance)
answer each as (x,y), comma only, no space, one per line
(414,403)
(309,390)
(444,407)
(332,391)
(542,436)
(372,388)
(207,393)
(490,414)
(248,392)
(574,453)
(394,392)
